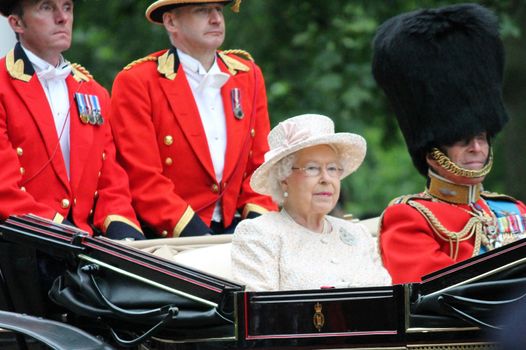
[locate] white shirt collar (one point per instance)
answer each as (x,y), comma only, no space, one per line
(45,71)
(38,63)
(191,64)
(195,71)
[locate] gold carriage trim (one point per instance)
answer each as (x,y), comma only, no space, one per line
(318,319)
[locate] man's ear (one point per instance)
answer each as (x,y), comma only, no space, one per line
(169,22)
(433,165)
(429,159)
(16,23)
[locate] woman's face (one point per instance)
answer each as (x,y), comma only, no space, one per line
(310,193)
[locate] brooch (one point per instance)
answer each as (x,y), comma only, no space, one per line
(346,237)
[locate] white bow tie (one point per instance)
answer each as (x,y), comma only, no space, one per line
(213,80)
(53,73)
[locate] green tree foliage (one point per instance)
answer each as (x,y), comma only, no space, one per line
(316,58)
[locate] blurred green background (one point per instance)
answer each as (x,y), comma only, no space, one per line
(316,58)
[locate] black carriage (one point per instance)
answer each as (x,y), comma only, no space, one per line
(134,299)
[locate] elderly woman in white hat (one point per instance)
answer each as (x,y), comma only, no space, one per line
(302,247)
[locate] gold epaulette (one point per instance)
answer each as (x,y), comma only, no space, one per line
(80,72)
(241,53)
(140,60)
(495,195)
(407,197)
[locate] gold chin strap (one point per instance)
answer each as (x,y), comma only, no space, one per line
(448,165)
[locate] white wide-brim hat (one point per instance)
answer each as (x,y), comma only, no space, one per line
(305,131)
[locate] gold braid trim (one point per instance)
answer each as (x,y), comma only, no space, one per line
(240,52)
(140,60)
(81,72)
(474,226)
(448,165)
(407,197)
(235,6)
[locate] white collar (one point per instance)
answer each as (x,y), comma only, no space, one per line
(193,65)
(38,63)
(214,78)
(45,70)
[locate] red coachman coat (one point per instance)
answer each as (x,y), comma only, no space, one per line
(33,176)
(162,144)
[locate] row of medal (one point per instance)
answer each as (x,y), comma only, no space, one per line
(506,229)
(89,109)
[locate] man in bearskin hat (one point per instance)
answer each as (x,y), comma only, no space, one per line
(191,125)
(442,72)
(56,149)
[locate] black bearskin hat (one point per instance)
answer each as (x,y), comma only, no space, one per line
(442,71)
(6,6)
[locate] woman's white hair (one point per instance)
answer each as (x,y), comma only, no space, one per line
(279,172)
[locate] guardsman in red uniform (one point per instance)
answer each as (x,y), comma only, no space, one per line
(441,70)
(190,124)
(56,149)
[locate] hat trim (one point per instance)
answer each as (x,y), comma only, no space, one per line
(354,142)
(152,12)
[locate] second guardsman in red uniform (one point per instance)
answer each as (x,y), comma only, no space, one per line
(442,71)
(191,125)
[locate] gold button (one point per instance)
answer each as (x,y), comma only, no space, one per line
(103,155)
(23,188)
(164,233)
(168,161)
(215,188)
(65,203)
(96,194)
(252,132)
(91,212)
(168,140)
(22,170)
(99,174)
(19,151)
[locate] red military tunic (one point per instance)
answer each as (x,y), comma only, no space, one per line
(414,238)
(33,176)
(162,144)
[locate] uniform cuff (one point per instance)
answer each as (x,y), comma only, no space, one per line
(251,211)
(121,230)
(195,227)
